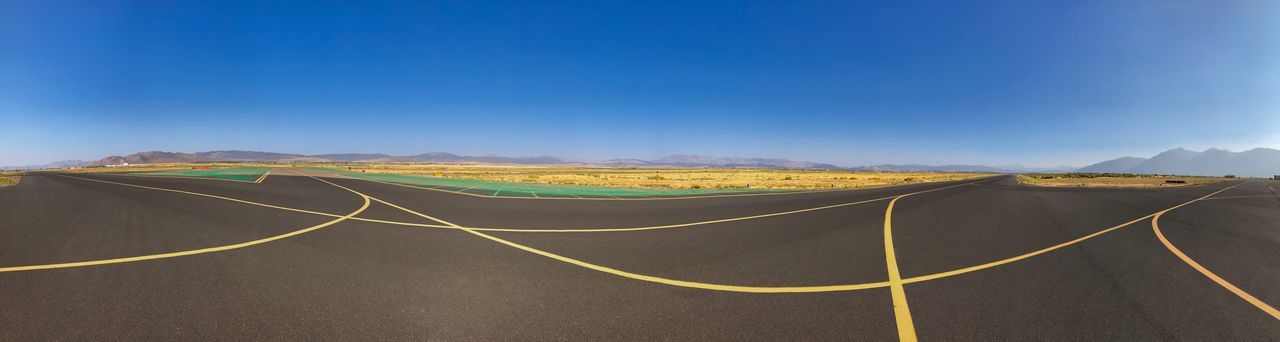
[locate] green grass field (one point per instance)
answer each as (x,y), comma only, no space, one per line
(239,173)
(517,189)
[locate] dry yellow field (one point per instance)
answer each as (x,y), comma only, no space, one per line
(655,178)
(1113,180)
(652,178)
(10,178)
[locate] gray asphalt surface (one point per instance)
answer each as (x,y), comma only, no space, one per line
(358,280)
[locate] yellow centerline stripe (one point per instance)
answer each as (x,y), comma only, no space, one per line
(901,312)
(1155,226)
(194,251)
(260,179)
(1234,197)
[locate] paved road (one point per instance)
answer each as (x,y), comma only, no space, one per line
(109,257)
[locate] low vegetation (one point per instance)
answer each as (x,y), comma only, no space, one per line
(1114,180)
(653,178)
(645,178)
(10,178)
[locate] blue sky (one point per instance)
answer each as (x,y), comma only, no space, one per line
(1036,83)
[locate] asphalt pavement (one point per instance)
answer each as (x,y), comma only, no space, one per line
(306,256)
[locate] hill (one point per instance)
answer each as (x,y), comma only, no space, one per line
(150,157)
(1258,162)
(449,158)
(1118,165)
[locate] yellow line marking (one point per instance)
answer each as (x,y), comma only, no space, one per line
(822,288)
(207,195)
(1234,197)
(1155,226)
(1048,249)
(614,198)
(901,312)
(516,230)
(642,277)
(194,251)
(264,177)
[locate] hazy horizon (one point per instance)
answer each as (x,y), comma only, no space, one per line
(997,83)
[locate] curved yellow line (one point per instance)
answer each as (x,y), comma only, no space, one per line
(910,330)
(649,278)
(209,196)
(901,311)
(517,230)
(784,289)
(1155,226)
(194,251)
(1047,249)
(675,282)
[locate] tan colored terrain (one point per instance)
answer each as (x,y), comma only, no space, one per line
(653,178)
(10,178)
(1090,180)
(668,178)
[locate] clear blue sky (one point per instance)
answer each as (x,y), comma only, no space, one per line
(1010,82)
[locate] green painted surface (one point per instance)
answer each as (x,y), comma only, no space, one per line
(240,173)
(517,189)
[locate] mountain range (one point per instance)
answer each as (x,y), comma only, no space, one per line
(679,160)
(53,165)
(272,157)
(963,168)
(1259,162)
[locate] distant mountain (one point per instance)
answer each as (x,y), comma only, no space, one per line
(246,156)
(53,165)
(150,157)
(1166,162)
(1118,165)
(272,157)
(1258,162)
(442,157)
(684,160)
(348,157)
(952,168)
(624,162)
